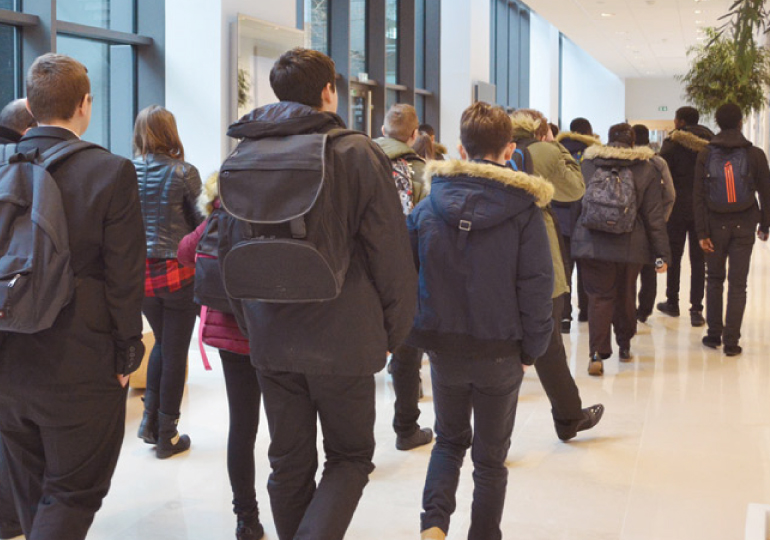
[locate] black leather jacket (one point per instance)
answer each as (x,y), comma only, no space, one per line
(168,191)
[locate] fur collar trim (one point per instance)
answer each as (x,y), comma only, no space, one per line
(440,148)
(588,140)
(637,153)
(523,122)
(535,185)
(209,193)
(688,140)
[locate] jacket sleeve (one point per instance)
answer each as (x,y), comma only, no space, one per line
(651,211)
(669,192)
(420,187)
(192,189)
(534,287)
(123,253)
(186,252)
(414,238)
(566,177)
(763,187)
(700,210)
(384,238)
(667,151)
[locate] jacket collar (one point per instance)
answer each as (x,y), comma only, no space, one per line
(637,153)
(588,140)
(9,134)
(50,132)
(282,119)
(730,138)
(689,140)
(540,188)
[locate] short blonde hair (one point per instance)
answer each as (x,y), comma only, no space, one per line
(400,122)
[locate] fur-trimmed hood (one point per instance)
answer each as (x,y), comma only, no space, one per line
(588,140)
(619,153)
(483,193)
(209,194)
(524,126)
(689,140)
(440,148)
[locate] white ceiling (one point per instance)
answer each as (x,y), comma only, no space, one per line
(635,38)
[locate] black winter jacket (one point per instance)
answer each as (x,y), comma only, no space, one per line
(758,171)
(648,240)
(568,213)
(486,275)
(680,150)
(168,191)
(373,314)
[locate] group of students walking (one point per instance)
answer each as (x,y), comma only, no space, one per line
(469,261)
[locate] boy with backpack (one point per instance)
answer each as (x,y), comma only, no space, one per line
(729,173)
(64,387)
(486,280)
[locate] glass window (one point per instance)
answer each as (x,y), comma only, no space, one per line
(9,64)
(419,105)
(110,68)
(9,4)
(113,14)
(317,25)
(391,41)
(419,43)
(391,98)
(358,50)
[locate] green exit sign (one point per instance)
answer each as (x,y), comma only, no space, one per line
(662,108)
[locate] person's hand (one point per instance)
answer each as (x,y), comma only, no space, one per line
(661,269)
(706,245)
(123,380)
(762,236)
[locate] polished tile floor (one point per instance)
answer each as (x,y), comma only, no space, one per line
(684,447)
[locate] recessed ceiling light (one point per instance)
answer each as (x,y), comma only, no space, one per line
(608,14)
(699,22)
(698,11)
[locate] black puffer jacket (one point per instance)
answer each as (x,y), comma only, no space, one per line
(648,239)
(680,150)
(373,314)
(168,191)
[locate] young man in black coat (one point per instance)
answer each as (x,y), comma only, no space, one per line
(726,231)
(317,360)
(63,390)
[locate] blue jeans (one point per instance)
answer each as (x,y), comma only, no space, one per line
(490,390)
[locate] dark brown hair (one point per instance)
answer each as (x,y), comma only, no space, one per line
(622,133)
(400,122)
(155,132)
(56,86)
(423,146)
(485,130)
(300,75)
(688,115)
(729,116)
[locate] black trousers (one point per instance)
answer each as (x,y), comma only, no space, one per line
(62,450)
(733,242)
(611,288)
(8,514)
(648,289)
(571,265)
(557,381)
(680,230)
(294,403)
(405,369)
(243,399)
(172,318)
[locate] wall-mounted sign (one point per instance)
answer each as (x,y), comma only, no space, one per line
(662,108)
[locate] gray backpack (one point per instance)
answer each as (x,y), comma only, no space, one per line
(609,204)
(36,280)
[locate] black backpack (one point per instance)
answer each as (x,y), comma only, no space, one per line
(729,186)
(36,280)
(609,204)
(287,242)
(209,287)
(522,158)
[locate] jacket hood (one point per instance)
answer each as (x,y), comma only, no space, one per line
(693,138)
(619,153)
(440,148)
(730,138)
(209,194)
(483,193)
(587,140)
(394,148)
(524,126)
(282,119)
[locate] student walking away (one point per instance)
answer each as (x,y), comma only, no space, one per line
(320,333)
(484,312)
(219,329)
(680,150)
(64,387)
(551,161)
(169,188)
(729,174)
(621,227)
(400,134)
(579,137)
(440,151)
(15,121)
(648,280)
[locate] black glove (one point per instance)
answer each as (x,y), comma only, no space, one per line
(128,356)
(526,359)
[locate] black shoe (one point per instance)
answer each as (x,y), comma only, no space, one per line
(170,442)
(420,437)
(591,417)
(625,354)
(583,316)
(671,310)
(595,365)
(696,319)
(733,350)
(148,428)
(566,326)
(10,529)
(642,317)
(711,341)
(249,527)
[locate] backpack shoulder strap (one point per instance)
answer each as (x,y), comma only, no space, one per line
(6,151)
(61,151)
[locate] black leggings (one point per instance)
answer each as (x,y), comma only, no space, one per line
(243,398)
(172,318)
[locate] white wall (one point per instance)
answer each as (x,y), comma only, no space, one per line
(544,67)
(590,90)
(645,98)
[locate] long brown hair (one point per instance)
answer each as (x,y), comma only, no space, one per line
(155,132)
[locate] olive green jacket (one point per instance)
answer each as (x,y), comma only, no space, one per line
(396,149)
